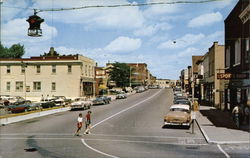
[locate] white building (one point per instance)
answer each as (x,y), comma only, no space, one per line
(46,76)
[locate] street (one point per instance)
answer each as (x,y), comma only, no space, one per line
(129,127)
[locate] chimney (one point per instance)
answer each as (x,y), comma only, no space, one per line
(52,51)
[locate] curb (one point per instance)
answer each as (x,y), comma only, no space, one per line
(204,133)
(8,120)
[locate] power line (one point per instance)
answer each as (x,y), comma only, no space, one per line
(119,5)
(126,5)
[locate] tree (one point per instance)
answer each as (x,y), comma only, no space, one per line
(15,51)
(120,73)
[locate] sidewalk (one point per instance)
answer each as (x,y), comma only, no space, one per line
(218,127)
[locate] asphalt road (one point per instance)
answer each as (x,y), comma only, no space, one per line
(129,127)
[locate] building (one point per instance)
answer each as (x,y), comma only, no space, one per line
(139,74)
(184,79)
(237,55)
(213,63)
(46,76)
(101,78)
(163,83)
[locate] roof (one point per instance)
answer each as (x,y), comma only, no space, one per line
(180,106)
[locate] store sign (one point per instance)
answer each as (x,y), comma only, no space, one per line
(227,76)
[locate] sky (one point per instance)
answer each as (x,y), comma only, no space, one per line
(144,34)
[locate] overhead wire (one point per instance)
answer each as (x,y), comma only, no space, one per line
(120,5)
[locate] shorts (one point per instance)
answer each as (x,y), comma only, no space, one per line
(88,122)
(79,125)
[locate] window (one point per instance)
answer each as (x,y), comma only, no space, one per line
(8,69)
(36,86)
(19,86)
(23,69)
(237,52)
(8,86)
(38,69)
(227,57)
(69,68)
(247,53)
(53,68)
(86,67)
(53,86)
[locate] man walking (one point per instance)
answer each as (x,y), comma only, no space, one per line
(236,113)
(88,122)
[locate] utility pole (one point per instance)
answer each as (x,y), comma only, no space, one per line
(129,76)
(1,2)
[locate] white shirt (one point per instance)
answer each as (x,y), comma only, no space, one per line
(79,119)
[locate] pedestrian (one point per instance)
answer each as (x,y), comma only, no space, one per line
(88,122)
(79,125)
(236,113)
(247,114)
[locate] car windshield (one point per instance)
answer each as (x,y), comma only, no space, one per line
(179,109)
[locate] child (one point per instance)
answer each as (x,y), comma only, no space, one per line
(88,122)
(79,124)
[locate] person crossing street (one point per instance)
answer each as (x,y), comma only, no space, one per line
(88,122)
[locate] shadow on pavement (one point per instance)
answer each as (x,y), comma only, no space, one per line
(220,119)
(175,127)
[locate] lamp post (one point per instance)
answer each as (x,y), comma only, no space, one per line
(130,76)
(24,65)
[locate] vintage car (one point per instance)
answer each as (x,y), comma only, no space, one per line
(101,100)
(121,95)
(81,103)
(179,114)
(61,100)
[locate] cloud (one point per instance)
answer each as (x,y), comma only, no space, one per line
(9,13)
(152,29)
(123,44)
(155,10)
(15,31)
(205,19)
(94,17)
(182,42)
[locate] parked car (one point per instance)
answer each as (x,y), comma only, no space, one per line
(61,100)
(182,101)
(100,100)
(34,106)
(121,95)
(18,108)
(81,103)
(179,114)
(47,104)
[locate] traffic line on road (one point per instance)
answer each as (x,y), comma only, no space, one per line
(143,142)
(124,110)
(98,151)
(144,136)
(227,156)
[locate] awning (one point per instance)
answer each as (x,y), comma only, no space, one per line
(103,87)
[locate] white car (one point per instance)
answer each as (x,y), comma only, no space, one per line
(81,103)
